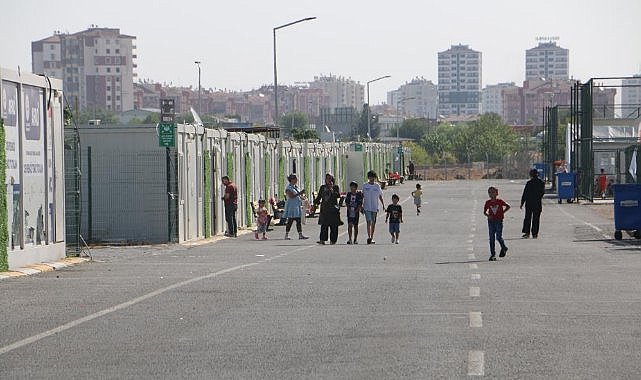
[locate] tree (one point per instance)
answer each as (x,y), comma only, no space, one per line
(413,128)
(304,134)
(294,120)
(152,118)
(360,128)
(105,117)
(419,155)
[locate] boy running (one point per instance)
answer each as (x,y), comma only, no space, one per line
(354,202)
(417,194)
(494,209)
(395,217)
(372,193)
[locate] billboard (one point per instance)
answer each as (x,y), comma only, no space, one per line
(10,105)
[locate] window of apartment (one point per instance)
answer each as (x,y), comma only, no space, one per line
(108,60)
(97,70)
(53,57)
(108,69)
(118,108)
(117,51)
(108,88)
(108,51)
(108,98)
(51,47)
(117,69)
(117,97)
(117,79)
(117,60)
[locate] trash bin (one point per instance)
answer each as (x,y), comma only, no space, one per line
(627,209)
(566,185)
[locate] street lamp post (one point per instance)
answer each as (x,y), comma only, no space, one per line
(200,105)
(369,106)
(280,134)
(398,128)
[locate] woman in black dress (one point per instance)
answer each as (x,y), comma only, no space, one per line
(329,218)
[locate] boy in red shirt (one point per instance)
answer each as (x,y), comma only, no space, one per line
(494,209)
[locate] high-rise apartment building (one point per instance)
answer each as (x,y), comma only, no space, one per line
(341,92)
(492,97)
(459,81)
(631,93)
(547,61)
(96,65)
(422,98)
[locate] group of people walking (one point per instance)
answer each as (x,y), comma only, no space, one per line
(367,201)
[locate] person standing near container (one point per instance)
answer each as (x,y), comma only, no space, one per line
(532,199)
(293,210)
(329,217)
(230,199)
(603,183)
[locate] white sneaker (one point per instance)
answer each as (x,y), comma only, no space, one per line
(396,241)
(393,239)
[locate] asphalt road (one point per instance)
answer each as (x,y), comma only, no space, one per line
(566,305)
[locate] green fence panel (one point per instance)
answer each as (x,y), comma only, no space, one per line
(306,175)
(230,167)
(208,197)
(248,186)
(281,177)
(267,176)
(4,231)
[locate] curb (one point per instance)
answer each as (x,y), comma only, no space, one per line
(30,270)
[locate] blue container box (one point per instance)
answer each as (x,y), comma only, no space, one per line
(627,207)
(566,185)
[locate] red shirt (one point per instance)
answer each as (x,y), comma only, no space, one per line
(494,208)
(233,194)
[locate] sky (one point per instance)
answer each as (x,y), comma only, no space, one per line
(361,40)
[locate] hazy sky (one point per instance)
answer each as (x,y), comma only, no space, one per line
(357,39)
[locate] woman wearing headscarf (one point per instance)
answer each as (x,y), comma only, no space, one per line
(329,217)
(293,210)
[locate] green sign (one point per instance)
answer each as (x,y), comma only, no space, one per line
(166,135)
(358,147)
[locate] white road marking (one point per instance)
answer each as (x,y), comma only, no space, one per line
(475,291)
(124,305)
(476,363)
(471,256)
(470,248)
(471,236)
(475,276)
(474,266)
(597,229)
(476,319)
(470,241)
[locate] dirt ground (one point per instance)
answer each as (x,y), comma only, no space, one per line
(606,210)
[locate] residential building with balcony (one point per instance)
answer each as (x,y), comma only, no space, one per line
(459,81)
(97,66)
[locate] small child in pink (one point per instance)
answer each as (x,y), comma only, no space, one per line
(262,220)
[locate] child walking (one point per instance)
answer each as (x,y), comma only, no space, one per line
(494,209)
(395,218)
(417,194)
(354,202)
(262,220)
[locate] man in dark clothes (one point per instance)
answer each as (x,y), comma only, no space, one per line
(532,196)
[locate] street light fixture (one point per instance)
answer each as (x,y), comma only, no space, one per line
(369,107)
(280,134)
(200,105)
(398,127)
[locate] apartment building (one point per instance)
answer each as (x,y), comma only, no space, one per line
(97,66)
(421,99)
(341,92)
(492,97)
(459,81)
(547,61)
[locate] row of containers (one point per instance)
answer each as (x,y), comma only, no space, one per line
(67,186)
(627,195)
(133,191)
